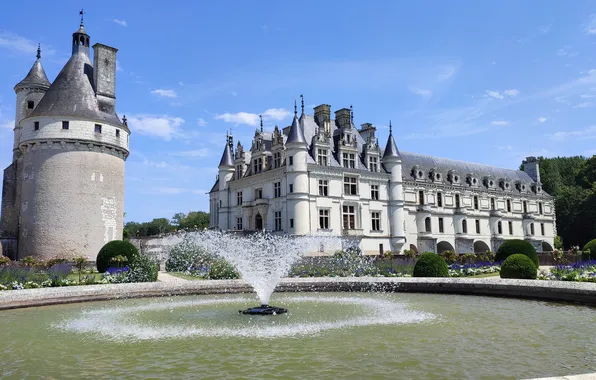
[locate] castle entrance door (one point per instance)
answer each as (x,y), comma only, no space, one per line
(258,222)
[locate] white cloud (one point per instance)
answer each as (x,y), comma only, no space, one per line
(446,73)
(505,147)
(542,119)
(591,26)
(164,93)
(499,122)
(584,105)
(165,127)
(234,93)
(252,119)
(420,91)
(203,152)
(120,22)
(19,44)
(9,124)
(502,94)
(587,133)
(201,122)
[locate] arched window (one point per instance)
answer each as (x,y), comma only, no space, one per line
(464,226)
(427,226)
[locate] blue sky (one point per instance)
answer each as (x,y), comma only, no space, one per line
(488,82)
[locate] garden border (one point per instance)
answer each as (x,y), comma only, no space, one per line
(557,291)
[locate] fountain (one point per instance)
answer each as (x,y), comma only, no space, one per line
(262,259)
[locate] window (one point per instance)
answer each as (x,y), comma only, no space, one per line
(373,164)
(291,188)
(427,226)
(531,228)
(97,128)
(477,226)
(350,186)
(276,159)
(36,125)
(324,219)
(421,197)
(508,205)
(277,220)
(476,202)
(291,223)
(30,104)
(277,190)
(260,161)
(374,192)
(492,204)
(499,228)
(239,198)
(239,224)
(464,226)
(65,125)
(542,229)
(349,215)
(439,200)
(291,160)
(349,160)
(457,204)
(525,207)
(323,187)
(375,218)
(322,157)
(255,166)
(117,133)
(510,228)
(258,193)
(540,208)
(239,171)
(441,225)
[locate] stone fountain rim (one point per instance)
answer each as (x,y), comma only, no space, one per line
(554,291)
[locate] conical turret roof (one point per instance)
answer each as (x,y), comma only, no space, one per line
(35,78)
(226,157)
(296,133)
(391,147)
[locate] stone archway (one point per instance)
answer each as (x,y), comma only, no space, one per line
(444,246)
(546,247)
(480,247)
(258,222)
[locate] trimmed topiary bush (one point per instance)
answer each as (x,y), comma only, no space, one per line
(113,249)
(511,247)
(143,269)
(518,266)
(222,270)
(591,246)
(431,265)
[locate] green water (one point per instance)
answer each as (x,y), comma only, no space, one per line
(324,336)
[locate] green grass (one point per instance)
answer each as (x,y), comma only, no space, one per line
(75,276)
(184,276)
(496,274)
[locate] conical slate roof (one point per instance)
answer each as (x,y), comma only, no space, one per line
(72,94)
(391,147)
(36,78)
(296,133)
(226,157)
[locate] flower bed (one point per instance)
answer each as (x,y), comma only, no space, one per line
(473,269)
(584,271)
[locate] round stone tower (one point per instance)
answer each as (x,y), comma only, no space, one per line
(392,162)
(73,147)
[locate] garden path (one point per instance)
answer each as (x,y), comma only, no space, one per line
(165,277)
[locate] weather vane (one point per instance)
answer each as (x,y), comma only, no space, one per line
(82,14)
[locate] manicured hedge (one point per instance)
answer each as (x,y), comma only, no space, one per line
(591,246)
(430,264)
(518,266)
(511,247)
(113,249)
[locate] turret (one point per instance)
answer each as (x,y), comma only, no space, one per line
(226,164)
(80,39)
(297,177)
(392,162)
(532,167)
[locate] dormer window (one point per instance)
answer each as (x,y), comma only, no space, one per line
(453,177)
(434,175)
(349,160)
(322,157)
(373,164)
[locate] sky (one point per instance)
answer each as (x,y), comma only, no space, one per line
(489,82)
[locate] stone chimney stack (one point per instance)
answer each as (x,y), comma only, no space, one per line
(342,118)
(532,167)
(104,76)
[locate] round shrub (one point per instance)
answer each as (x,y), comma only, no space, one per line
(591,246)
(518,266)
(143,269)
(511,247)
(431,265)
(113,249)
(222,270)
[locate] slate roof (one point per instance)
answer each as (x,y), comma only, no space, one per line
(36,77)
(72,94)
(226,157)
(391,147)
(296,133)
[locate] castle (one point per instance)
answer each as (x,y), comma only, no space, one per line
(63,193)
(324,176)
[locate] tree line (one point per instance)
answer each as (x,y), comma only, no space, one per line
(194,220)
(572,181)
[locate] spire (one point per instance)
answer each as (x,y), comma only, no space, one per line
(80,39)
(261,117)
(38,51)
(82,14)
(391,147)
(351,115)
(296,134)
(302,103)
(295,108)
(37,76)
(226,157)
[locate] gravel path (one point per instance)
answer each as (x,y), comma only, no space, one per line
(165,277)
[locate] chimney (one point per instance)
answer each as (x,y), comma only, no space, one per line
(342,118)
(104,76)
(532,167)
(322,114)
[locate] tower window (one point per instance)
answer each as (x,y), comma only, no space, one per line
(477,226)
(510,228)
(525,204)
(36,125)
(499,228)
(291,160)
(291,188)
(492,203)
(427,226)
(540,208)
(476,202)
(464,226)
(65,125)
(439,200)
(117,133)
(30,104)
(421,197)
(457,204)
(97,128)
(441,225)
(508,205)
(542,229)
